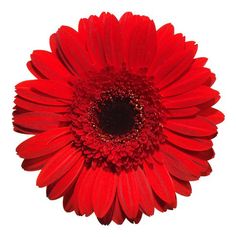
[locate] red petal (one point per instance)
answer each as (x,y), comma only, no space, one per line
(189,143)
(211,80)
(137,219)
(23,130)
(160,205)
(183,161)
(185,112)
(49,65)
(128,193)
(194,97)
(205,155)
(84,191)
(198,126)
(199,62)
(58,188)
(167,45)
(165,32)
(68,200)
(74,51)
(48,88)
(161,182)
(175,66)
(45,143)
(176,168)
(39,98)
(56,50)
(32,106)
(118,216)
(35,164)
(182,187)
(106,220)
(214,115)
(145,192)
(58,165)
(139,40)
(53,44)
(104,191)
(91,29)
(111,36)
(35,71)
(191,80)
(40,121)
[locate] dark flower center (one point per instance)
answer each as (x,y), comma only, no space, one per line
(116,116)
(116,119)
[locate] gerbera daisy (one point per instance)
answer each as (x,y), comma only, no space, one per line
(122,117)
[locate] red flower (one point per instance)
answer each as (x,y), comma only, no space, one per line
(122,117)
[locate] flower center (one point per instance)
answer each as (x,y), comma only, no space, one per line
(116,116)
(116,119)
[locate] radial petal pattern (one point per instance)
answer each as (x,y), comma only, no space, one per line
(122,117)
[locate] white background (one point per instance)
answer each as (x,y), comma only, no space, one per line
(24,208)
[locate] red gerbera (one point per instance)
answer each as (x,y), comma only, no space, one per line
(122,117)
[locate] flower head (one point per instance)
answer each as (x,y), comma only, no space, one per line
(122,117)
